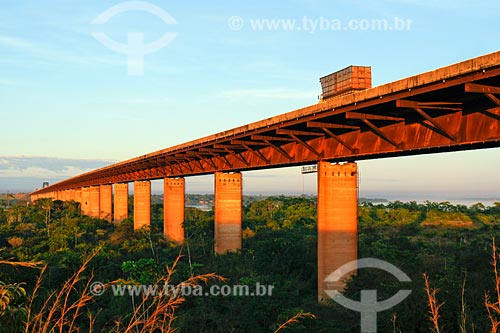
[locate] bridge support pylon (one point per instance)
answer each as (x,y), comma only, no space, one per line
(94,201)
(173,209)
(106,202)
(120,202)
(228,212)
(85,200)
(142,204)
(337,223)
(72,194)
(78,195)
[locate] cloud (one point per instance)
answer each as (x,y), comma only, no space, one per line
(24,174)
(275,93)
(447,4)
(45,167)
(50,55)
(69,52)
(8,82)
(15,42)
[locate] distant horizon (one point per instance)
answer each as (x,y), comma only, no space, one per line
(389,197)
(456,176)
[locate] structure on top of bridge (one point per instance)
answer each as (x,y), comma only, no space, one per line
(448,109)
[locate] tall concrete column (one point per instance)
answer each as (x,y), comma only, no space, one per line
(85,200)
(337,222)
(72,196)
(173,209)
(142,204)
(228,212)
(120,202)
(94,201)
(105,202)
(78,195)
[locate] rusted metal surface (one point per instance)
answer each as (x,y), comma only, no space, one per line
(452,108)
(347,80)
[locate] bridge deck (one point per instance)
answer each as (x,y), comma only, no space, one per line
(447,109)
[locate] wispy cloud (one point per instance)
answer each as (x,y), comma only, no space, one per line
(15,42)
(274,93)
(24,174)
(69,53)
(51,55)
(8,82)
(448,4)
(46,167)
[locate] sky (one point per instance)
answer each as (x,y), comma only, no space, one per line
(72,100)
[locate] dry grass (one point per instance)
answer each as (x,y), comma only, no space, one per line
(463,307)
(394,321)
(493,307)
(156,313)
(63,308)
(60,309)
(295,319)
(434,305)
(29,264)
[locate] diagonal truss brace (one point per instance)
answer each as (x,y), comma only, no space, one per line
(418,108)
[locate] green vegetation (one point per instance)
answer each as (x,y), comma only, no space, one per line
(452,244)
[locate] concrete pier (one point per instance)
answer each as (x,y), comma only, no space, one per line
(85,200)
(228,212)
(94,206)
(72,194)
(173,212)
(142,204)
(120,202)
(105,202)
(337,222)
(78,195)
